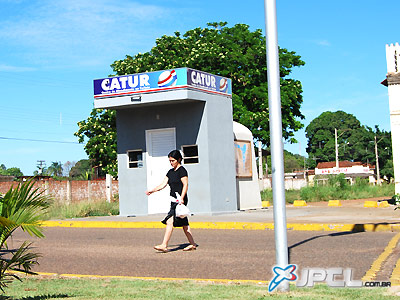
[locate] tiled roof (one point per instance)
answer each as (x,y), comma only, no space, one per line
(342,164)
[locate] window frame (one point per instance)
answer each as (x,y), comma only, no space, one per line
(190,157)
(139,163)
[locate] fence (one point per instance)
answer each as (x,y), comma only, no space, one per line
(72,191)
(290,183)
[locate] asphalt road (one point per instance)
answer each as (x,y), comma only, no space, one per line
(222,254)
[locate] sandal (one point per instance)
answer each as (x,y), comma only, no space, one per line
(189,248)
(161,248)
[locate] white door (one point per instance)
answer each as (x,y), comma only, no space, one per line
(159,142)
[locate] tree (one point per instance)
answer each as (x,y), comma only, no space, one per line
(22,207)
(101,133)
(355,141)
(384,143)
(321,134)
(10,171)
(55,169)
(292,162)
(234,52)
(81,168)
(67,167)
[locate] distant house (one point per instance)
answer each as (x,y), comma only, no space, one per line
(350,169)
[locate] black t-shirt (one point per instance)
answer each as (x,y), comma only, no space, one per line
(175,183)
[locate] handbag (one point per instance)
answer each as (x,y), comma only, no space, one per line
(182,211)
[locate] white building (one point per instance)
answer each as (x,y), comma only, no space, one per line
(350,169)
(392,81)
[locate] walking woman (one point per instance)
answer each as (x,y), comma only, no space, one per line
(177,179)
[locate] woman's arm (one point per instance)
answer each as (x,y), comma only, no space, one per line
(159,187)
(185,183)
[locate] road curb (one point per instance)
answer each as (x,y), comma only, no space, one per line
(230,225)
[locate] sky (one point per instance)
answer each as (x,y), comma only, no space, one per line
(51,50)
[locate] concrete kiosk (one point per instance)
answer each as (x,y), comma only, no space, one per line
(161,111)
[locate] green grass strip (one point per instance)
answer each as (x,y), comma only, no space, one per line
(91,289)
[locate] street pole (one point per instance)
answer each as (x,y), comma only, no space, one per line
(336,150)
(378,176)
(260,166)
(275,125)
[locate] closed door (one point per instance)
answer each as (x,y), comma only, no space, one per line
(159,142)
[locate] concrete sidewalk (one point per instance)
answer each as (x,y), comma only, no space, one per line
(351,216)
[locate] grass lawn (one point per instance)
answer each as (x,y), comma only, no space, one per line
(84,289)
(334,192)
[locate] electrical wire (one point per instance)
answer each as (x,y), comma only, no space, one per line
(33,140)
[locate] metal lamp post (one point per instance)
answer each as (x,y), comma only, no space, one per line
(275,121)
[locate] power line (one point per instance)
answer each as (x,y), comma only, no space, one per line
(32,140)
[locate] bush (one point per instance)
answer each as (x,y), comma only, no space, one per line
(82,210)
(336,188)
(21,207)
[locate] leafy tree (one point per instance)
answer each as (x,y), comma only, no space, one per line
(10,171)
(55,169)
(22,207)
(321,134)
(291,162)
(14,172)
(234,52)
(67,167)
(81,169)
(101,133)
(384,143)
(355,142)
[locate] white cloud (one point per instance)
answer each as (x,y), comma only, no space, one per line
(324,43)
(22,150)
(71,32)
(9,68)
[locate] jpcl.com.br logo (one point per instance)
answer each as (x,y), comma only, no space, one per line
(334,277)
(282,274)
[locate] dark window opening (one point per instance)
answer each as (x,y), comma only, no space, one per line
(190,154)
(135,159)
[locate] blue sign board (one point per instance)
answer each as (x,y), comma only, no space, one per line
(161,81)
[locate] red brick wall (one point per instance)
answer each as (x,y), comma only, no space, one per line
(81,190)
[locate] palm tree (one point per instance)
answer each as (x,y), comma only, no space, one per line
(55,169)
(21,207)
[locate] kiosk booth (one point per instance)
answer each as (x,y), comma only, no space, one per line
(157,112)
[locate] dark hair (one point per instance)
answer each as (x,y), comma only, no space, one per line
(176,154)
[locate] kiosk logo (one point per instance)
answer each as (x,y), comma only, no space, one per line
(223,85)
(167,78)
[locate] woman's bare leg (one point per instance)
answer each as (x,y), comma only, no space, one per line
(168,232)
(189,235)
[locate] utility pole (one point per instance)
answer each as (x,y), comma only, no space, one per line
(41,166)
(378,176)
(260,166)
(336,150)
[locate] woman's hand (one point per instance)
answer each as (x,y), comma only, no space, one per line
(158,188)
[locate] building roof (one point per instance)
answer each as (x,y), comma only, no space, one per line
(342,164)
